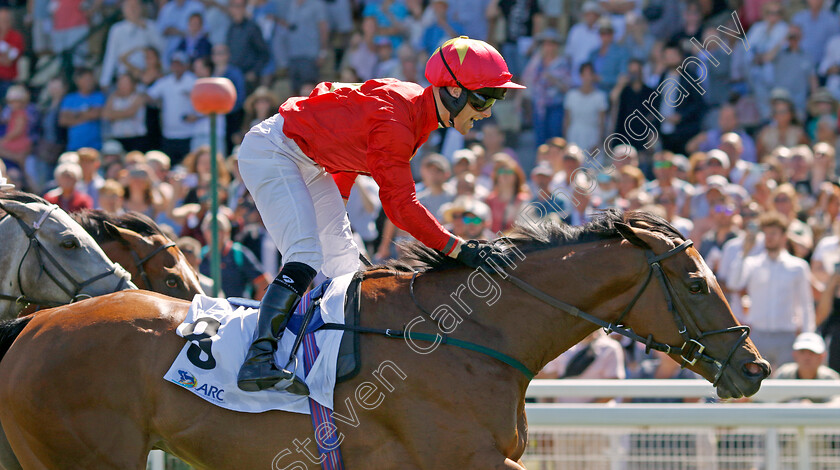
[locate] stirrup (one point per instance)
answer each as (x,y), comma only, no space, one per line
(294,385)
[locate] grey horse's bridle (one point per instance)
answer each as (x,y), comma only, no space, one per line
(75,291)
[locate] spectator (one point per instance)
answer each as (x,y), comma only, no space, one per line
(111,197)
(15,143)
(242,275)
(668,198)
(442,28)
(829,66)
(223,68)
(610,59)
(784,129)
(387,64)
(91,182)
(544,203)
(245,37)
(583,38)
(630,179)
(81,111)
(191,248)
(820,104)
(825,268)
(596,357)
(66,196)
(69,29)
(470,15)
(523,20)
(768,37)
(125,111)
(785,200)
(173,22)
(743,173)
(41,27)
(126,43)
(723,230)
(11,48)
(749,235)
(794,70)
(637,40)
(727,121)
(818,26)
(665,173)
(468,218)
(261,105)
(585,112)
(432,193)
(141,195)
(809,357)
(780,301)
(172,93)
(308,40)
(53,138)
(195,43)
(508,197)
(681,122)
(547,77)
(389,18)
(628,97)
(363,208)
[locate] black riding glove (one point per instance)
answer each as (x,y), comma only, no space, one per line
(476,253)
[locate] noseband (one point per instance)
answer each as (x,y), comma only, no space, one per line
(43,255)
(139,262)
(692,349)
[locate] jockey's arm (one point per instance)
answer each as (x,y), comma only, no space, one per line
(390,147)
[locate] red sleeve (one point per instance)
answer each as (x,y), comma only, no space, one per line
(16,40)
(344,181)
(389,152)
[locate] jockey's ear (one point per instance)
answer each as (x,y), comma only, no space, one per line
(629,234)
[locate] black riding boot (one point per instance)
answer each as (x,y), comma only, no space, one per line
(259,371)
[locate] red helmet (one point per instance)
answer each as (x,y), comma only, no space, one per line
(469,63)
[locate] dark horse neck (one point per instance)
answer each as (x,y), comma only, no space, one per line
(597,277)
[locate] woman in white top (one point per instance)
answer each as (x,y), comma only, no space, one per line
(586,109)
(125,112)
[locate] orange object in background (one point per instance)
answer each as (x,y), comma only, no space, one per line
(213,95)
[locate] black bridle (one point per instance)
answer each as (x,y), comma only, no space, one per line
(75,291)
(139,262)
(692,349)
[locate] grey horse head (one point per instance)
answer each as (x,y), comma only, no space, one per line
(48,259)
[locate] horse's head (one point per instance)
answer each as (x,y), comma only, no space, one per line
(684,307)
(51,260)
(154,261)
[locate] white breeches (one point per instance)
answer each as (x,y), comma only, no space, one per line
(298,200)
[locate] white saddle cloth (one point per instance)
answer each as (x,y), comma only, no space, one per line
(214,325)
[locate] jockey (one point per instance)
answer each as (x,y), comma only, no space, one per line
(300,163)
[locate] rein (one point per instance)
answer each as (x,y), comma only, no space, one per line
(41,253)
(690,352)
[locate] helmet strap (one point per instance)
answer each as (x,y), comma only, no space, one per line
(452,104)
(437,113)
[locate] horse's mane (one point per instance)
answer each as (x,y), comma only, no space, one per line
(547,234)
(22,197)
(93,221)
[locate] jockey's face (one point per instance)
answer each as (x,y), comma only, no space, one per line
(467,117)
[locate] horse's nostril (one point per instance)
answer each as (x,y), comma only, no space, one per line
(757,369)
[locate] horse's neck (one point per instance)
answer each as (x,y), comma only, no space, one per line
(593,277)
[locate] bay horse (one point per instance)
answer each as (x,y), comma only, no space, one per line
(47,258)
(137,243)
(82,385)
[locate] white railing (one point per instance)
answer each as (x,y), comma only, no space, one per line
(706,436)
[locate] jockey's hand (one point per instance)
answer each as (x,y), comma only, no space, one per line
(475,254)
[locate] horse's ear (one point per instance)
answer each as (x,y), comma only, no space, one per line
(629,234)
(113,231)
(15,209)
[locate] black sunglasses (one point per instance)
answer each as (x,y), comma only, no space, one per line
(479,100)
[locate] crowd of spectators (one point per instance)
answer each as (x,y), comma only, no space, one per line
(638,104)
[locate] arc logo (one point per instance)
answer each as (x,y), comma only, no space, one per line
(188,380)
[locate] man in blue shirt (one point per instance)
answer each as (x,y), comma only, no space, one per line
(80,112)
(242,275)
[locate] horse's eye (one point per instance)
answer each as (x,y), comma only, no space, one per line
(69,244)
(696,287)
(171,282)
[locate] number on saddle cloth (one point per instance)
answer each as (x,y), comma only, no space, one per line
(202,342)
